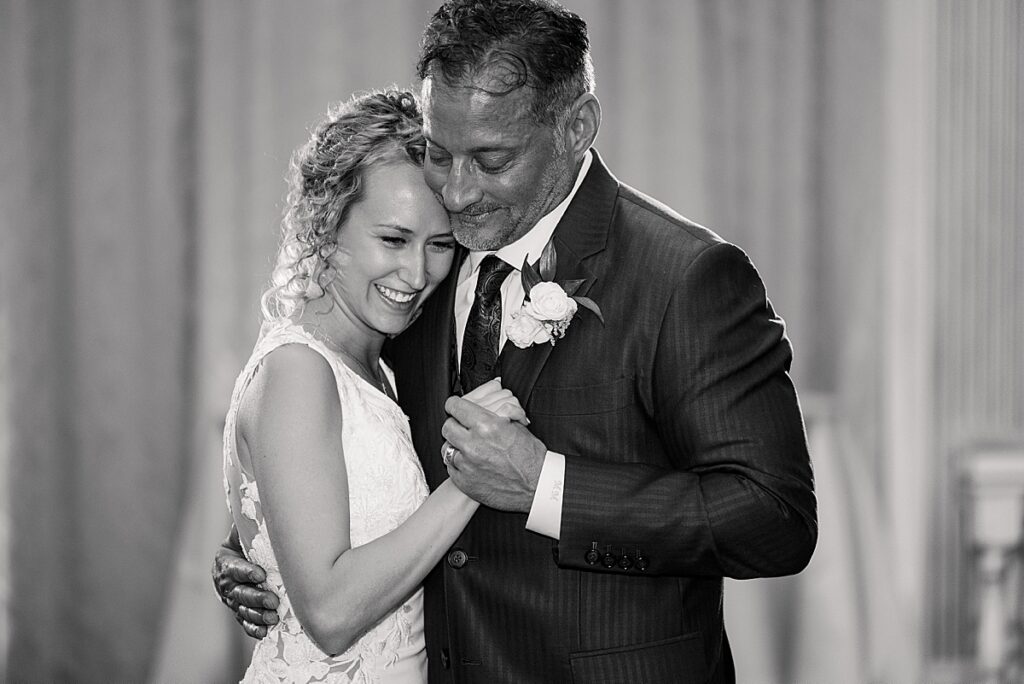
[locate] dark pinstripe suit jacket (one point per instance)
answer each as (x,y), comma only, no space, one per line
(684,446)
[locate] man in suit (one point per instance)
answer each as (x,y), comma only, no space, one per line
(665,448)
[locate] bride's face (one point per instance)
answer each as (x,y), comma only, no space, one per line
(394,249)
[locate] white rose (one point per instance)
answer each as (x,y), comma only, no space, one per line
(548,302)
(524,330)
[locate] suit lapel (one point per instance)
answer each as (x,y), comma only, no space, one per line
(520,368)
(582,232)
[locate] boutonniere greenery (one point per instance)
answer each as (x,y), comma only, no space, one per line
(548,308)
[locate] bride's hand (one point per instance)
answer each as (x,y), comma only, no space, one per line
(496,399)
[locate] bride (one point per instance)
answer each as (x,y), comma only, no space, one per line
(324,487)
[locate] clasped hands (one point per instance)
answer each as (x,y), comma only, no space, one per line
(496,459)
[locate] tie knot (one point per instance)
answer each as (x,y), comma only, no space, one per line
(493,272)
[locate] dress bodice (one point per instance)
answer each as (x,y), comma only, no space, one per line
(386,485)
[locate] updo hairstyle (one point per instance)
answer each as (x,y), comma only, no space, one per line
(325,179)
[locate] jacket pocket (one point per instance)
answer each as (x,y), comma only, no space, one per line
(678,660)
(582,401)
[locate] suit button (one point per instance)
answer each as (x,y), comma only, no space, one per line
(457,558)
(641,563)
(592,557)
(446,660)
(626,562)
(609,560)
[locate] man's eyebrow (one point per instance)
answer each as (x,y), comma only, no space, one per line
(496,147)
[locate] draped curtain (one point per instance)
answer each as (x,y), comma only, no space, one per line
(141,184)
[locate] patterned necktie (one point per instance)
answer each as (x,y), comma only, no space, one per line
(483,327)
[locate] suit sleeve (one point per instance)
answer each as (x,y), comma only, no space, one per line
(738,500)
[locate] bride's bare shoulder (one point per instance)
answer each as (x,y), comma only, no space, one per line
(292,382)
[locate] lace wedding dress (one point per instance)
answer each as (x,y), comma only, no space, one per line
(386,485)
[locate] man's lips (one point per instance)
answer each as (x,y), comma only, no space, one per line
(474,216)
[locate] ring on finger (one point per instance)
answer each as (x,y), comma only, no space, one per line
(447,452)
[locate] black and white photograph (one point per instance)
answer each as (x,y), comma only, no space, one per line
(512,341)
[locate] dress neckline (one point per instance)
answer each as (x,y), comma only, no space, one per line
(375,392)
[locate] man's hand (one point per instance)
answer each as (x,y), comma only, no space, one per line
(497,461)
(235,580)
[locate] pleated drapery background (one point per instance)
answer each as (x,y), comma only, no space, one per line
(869,156)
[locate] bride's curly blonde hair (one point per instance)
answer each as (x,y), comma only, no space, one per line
(325,180)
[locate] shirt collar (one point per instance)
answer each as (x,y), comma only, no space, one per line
(532,243)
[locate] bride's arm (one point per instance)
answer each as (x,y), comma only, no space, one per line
(292,427)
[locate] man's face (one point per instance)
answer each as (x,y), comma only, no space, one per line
(496,169)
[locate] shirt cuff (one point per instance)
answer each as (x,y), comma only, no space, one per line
(546,512)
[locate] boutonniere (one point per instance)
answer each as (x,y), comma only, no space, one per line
(548,308)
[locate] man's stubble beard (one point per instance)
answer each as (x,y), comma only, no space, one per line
(556,183)
(472,239)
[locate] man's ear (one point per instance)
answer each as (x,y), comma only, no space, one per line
(583,124)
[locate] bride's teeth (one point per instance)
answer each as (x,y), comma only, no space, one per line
(399,297)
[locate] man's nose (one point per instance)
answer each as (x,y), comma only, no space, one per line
(460,189)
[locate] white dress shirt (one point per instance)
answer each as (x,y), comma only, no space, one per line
(546,513)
